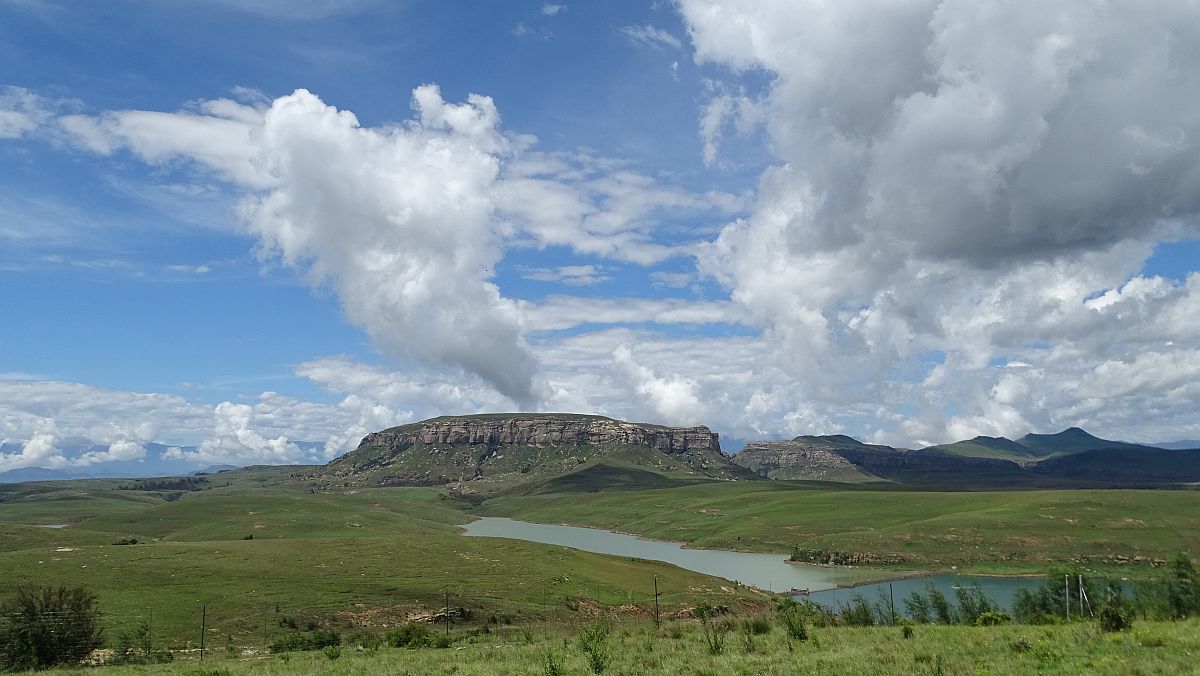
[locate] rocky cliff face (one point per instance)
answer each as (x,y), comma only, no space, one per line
(498,451)
(807,460)
(543,430)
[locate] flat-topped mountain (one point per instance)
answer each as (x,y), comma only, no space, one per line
(544,430)
(497,451)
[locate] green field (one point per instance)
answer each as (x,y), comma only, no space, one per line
(679,648)
(365,558)
(258,554)
(1008,531)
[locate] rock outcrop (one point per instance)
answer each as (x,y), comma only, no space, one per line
(495,452)
(803,459)
(543,430)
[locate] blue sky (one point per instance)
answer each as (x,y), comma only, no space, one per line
(764,217)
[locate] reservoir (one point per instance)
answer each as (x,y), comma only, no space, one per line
(765,571)
(771,572)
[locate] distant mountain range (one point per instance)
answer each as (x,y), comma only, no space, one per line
(154,464)
(1071,458)
(1037,446)
(534,452)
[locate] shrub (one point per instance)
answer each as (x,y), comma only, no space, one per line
(1021,645)
(550,664)
(942,611)
(593,641)
(917,607)
(138,648)
(992,618)
(791,614)
(1117,613)
(858,613)
(48,626)
(314,640)
(906,631)
(756,625)
(126,541)
(416,635)
(1182,587)
(972,603)
(332,651)
(713,632)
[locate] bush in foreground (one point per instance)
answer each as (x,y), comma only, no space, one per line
(48,626)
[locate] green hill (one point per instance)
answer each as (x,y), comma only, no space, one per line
(1034,447)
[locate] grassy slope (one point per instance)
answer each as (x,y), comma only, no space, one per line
(982,531)
(973,449)
(640,649)
(376,554)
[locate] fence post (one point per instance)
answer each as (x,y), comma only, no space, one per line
(1067,594)
(892,603)
(657,621)
(203,627)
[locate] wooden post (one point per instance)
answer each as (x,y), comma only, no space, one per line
(447,610)
(892,603)
(203,627)
(656,618)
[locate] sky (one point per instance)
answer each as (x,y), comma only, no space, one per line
(234,226)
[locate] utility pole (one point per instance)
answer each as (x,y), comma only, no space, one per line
(656,618)
(203,627)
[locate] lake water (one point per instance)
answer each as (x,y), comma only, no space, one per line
(765,571)
(1001,590)
(772,572)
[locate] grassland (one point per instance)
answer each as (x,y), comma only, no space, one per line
(1008,531)
(360,559)
(259,552)
(680,648)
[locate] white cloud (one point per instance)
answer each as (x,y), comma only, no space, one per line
(556,313)
(671,280)
(22,112)
(971,179)
(674,399)
(571,275)
(549,9)
(406,223)
(650,36)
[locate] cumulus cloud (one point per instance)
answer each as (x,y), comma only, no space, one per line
(549,9)
(969,179)
(674,399)
(406,222)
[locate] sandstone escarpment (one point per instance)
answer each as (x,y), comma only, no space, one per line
(544,430)
(499,451)
(796,459)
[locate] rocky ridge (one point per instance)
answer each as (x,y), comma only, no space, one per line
(495,452)
(799,459)
(534,430)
